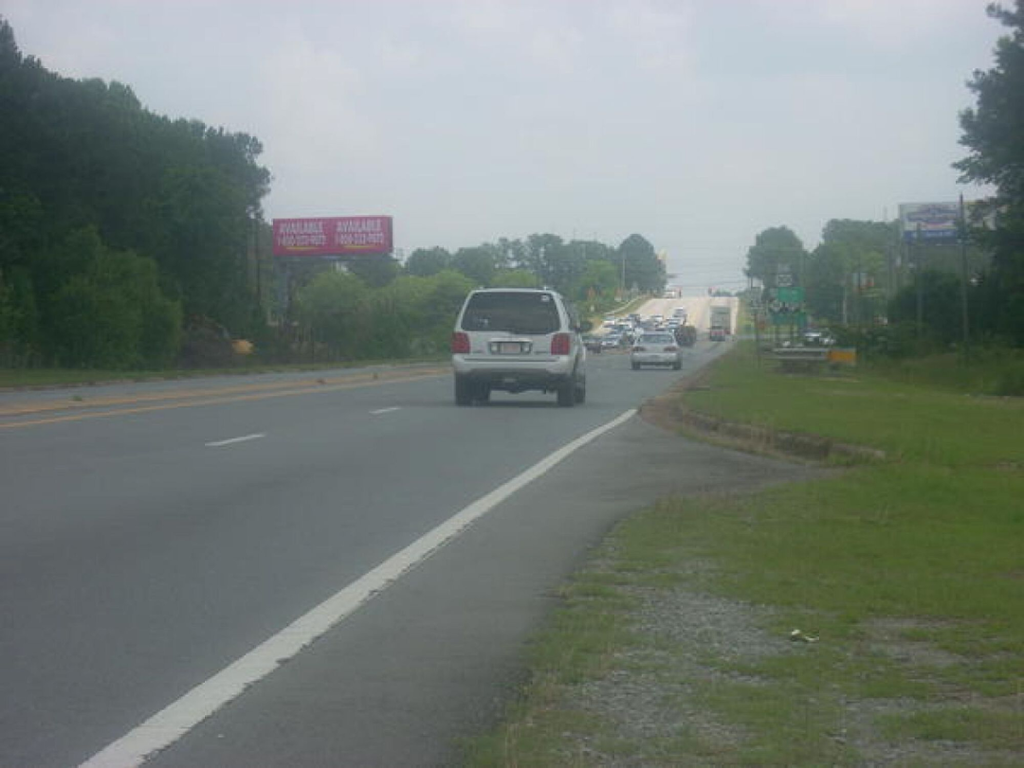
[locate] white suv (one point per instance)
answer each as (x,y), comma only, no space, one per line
(518,339)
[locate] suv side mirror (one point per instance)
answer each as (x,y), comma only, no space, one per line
(585,326)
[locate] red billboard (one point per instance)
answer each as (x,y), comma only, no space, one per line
(335,236)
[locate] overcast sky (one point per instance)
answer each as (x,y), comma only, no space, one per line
(696,123)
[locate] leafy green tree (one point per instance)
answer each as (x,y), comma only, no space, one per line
(415,315)
(20,238)
(19,319)
(597,284)
(846,275)
(412,315)
(776,251)
(394,313)
(515,278)
(199,242)
(641,265)
(826,282)
(21,229)
(592,250)
(556,264)
(376,271)
(478,264)
(992,132)
(112,314)
(940,294)
(424,262)
(509,254)
(448,290)
(331,308)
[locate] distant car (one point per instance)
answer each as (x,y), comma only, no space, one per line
(717,334)
(657,348)
(818,339)
(612,341)
(593,343)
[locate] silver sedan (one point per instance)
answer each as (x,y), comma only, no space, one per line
(656,348)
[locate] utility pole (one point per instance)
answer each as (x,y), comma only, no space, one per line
(259,265)
(623,274)
(963,282)
(917,280)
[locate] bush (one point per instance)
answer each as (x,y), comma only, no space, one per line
(112,313)
(896,341)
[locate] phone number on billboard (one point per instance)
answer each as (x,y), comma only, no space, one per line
(302,241)
(355,240)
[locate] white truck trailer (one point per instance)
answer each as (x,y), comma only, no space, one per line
(721,323)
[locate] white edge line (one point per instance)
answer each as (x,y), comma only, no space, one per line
(379,411)
(178,718)
(233,440)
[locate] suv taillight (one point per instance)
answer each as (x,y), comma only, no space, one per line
(560,344)
(460,343)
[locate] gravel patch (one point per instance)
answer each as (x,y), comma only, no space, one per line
(652,694)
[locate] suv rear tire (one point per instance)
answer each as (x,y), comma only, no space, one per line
(567,393)
(580,392)
(463,391)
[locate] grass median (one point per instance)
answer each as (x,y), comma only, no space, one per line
(874,617)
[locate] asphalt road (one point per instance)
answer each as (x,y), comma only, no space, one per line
(151,537)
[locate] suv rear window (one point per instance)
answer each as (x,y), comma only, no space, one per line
(513,312)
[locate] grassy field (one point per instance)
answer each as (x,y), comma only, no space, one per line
(903,577)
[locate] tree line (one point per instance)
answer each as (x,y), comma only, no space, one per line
(118,227)
(378,307)
(909,298)
(133,240)
(863,276)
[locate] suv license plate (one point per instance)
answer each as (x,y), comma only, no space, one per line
(509,348)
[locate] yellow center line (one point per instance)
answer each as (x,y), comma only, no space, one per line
(20,409)
(312,387)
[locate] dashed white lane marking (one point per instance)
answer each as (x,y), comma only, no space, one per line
(379,411)
(233,440)
(174,721)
